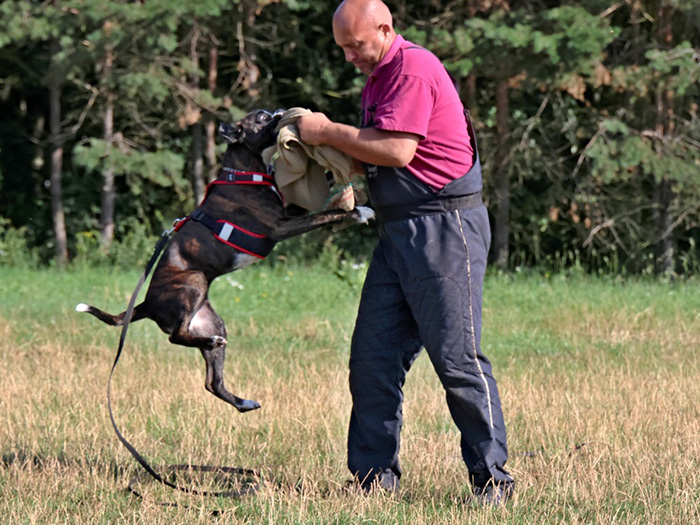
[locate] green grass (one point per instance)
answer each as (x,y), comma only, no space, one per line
(599,381)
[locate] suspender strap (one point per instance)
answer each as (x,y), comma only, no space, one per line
(254,244)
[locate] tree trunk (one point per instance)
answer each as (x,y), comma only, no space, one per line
(210,123)
(198,162)
(248,71)
(108,192)
(665,250)
(197,142)
(470,93)
(470,82)
(663,193)
(635,20)
(56,141)
(501,216)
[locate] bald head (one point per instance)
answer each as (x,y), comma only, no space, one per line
(365,31)
(362,11)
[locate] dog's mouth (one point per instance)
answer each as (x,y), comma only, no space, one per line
(276,116)
(270,116)
(267,121)
(273,122)
(257,131)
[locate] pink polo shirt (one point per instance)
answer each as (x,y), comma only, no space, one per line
(410,91)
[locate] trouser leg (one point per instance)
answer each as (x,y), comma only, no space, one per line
(384,345)
(447,308)
(431,297)
(470,388)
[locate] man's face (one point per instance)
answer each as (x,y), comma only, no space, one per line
(364,46)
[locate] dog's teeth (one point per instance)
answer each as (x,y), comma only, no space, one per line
(81,307)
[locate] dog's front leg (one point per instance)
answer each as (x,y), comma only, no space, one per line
(299,225)
(215,380)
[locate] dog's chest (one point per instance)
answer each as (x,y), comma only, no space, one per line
(243,260)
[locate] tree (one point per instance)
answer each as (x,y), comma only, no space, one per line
(108,188)
(586,115)
(531,52)
(50,28)
(647,143)
(54,83)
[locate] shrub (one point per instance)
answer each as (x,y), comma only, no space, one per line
(14,250)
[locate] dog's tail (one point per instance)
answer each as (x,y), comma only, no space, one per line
(113,320)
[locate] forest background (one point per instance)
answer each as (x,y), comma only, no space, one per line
(586,114)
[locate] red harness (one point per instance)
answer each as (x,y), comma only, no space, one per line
(252,243)
(231,176)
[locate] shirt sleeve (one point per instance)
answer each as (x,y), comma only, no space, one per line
(406,107)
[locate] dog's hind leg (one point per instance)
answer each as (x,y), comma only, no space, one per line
(140,312)
(205,329)
(215,380)
(209,328)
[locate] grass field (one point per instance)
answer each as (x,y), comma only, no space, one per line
(599,380)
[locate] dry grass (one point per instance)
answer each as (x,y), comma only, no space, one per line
(600,392)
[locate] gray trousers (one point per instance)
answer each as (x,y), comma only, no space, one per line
(424,289)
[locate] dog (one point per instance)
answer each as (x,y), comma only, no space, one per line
(239,221)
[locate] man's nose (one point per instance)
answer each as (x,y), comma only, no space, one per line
(350,55)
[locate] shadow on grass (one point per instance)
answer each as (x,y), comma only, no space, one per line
(26,459)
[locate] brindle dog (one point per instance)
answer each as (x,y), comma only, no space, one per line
(177,297)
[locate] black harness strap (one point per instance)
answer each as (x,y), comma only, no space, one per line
(246,241)
(254,244)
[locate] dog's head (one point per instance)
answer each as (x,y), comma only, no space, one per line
(255,131)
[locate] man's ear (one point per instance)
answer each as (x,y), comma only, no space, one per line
(231,134)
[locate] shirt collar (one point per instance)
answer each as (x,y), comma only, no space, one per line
(393,50)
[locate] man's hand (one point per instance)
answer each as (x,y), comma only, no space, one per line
(312,128)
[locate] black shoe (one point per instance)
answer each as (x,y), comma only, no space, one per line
(388,481)
(491,494)
(385,482)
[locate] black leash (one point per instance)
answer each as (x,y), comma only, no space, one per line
(253,479)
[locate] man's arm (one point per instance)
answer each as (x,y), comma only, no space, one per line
(371,145)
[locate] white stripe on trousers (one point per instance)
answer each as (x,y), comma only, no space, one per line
(471,318)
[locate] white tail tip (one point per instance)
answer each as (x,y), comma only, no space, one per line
(81,307)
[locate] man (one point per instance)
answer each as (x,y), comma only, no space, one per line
(424,283)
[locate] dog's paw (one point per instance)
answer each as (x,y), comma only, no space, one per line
(246,405)
(217,340)
(364,214)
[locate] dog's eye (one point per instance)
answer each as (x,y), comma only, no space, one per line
(264,116)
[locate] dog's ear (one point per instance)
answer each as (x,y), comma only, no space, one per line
(231,134)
